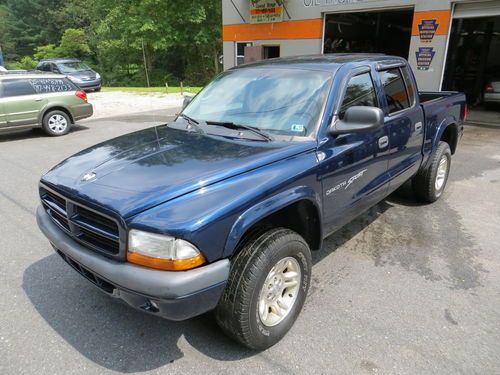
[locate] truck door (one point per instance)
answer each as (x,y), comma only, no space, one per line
(353,166)
(21,103)
(405,121)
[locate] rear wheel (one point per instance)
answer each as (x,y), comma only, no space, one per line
(430,183)
(266,289)
(56,123)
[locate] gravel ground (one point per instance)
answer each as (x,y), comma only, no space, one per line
(108,104)
(404,289)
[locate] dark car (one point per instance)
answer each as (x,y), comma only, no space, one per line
(77,71)
(221,208)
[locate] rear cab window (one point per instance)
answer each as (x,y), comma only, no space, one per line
(360,91)
(395,90)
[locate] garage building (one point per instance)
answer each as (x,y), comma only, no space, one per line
(451,45)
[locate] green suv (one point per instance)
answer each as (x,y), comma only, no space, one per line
(49,101)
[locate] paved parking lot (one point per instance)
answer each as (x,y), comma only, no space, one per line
(405,289)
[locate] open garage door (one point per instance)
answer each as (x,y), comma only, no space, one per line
(386,31)
(473,60)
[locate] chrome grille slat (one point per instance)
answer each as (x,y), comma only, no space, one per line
(95,230)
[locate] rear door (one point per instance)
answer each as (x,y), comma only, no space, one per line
(354,166)
(404,119)
(22,104)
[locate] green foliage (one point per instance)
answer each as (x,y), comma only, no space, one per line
(26,62)
(74,44)
(48,51)
(172,41)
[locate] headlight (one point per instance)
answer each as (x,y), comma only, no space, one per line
(98,76)
(162,252)
(74,79)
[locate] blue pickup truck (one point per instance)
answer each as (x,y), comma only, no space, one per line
(221,208)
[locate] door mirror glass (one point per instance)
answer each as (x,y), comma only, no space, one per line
(358,119)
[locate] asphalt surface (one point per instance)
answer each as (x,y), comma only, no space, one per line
(404,289)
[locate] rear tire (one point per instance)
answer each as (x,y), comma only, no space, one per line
(430,183)
(56,123)
(266,289)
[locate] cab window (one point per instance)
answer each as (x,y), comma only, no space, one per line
(395,91)
(359,92)
(410,84)
(17,87)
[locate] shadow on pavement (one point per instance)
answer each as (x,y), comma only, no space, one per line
(112,334)
(16,135)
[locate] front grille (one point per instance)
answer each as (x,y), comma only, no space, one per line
(88,227)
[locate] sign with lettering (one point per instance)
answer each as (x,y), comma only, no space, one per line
(265,11)
(427,30)
(325,3)
(424,57)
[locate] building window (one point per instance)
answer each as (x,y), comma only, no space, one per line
(240,51)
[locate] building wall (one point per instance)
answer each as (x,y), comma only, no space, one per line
(302,33)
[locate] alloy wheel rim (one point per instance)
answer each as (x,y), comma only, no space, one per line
(57,123)
(279,292)
(441,172)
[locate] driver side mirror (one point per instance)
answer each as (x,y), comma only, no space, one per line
(358,119)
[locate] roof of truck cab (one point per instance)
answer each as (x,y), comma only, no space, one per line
(327,62)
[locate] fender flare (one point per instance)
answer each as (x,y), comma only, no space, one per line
(267,207)
(447,121)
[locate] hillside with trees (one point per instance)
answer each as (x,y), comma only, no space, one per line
(171,40)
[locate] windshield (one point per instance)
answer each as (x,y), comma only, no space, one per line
(71,67)
(281,101)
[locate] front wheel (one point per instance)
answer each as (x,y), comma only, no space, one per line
(429,183)
(266,289)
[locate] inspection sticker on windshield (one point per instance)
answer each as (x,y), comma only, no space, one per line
(299,128)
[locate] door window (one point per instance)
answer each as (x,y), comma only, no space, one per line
(395,91)
(410,84)
(17,87)
(359,92)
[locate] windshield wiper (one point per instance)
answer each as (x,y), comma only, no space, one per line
(232,125)
(192,122)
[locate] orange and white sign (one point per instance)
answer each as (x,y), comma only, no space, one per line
(265,11)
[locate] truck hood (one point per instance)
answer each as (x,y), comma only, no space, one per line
(140,170)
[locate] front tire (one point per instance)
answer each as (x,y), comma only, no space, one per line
(430,183)
(266,289)
(56,123)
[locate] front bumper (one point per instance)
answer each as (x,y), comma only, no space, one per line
(171,295)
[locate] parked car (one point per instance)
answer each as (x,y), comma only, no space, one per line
(221,208)
(492,93)
(49,101)
(77,71)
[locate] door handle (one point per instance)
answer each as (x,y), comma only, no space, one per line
(38,99)
(418,126)
(383,142)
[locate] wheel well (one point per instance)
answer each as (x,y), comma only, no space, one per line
(62,109)
(450,136)
(301,217)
